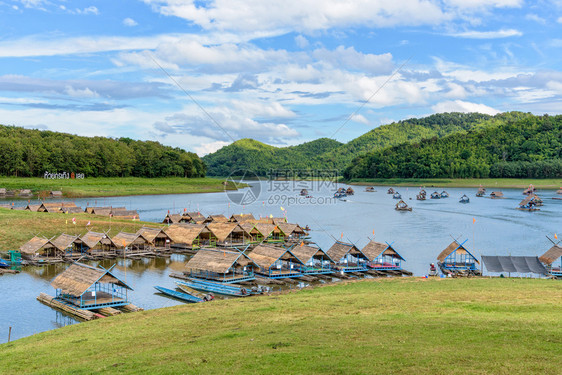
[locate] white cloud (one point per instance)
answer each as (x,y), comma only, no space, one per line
(360,119)
(80,93)
(38,4)
(129,22)
(301,41)
(503,33)
(209,148)
(89,10)
(559,20)
(349,58)
(483,4)
(462,106)
(536,18)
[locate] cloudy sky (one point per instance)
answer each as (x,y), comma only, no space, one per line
(201,74)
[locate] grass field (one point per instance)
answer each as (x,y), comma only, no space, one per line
(18,227)
(116,186)
(378,326)
(489,183)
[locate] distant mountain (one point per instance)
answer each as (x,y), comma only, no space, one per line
(324,153)
(515,145)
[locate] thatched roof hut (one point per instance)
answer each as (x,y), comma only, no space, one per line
(229,233)
(496,194)
(309,254)
(172,219)
(125,214)
(216,219)
(72,210)
(220,261)
(194,217)
(156,236)
(134,240)
(80,285)
(102,210)
(266,230)
(374,250)
(552,254)
(242,218)
(341,250)
(455,248)
(39,247)
(267,257)
(186,234)
(66,241)
(95,241)
(56,194)
(291,230)
(32,207)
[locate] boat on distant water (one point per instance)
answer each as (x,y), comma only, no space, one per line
(464,199)
(179,295)
(530,190)
(444,194)
(4,264)
(397,196)
(422,195)
(370,189)
(304,192)
(481,192)
(435,195)
(496,195)
(391,191)
(530,203)
(349,191)
(218,288)
(402,206)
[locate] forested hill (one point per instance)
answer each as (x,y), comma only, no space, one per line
(26,152)
(528,147)
(252,155)
(328,154)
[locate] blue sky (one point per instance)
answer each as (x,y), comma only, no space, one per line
(283,72)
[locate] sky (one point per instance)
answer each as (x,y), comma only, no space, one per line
(201,74)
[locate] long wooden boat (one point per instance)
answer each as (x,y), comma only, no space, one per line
(224,289)
(179,295)
(195,293)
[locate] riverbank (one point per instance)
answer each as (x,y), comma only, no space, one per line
(17,227)
(488,183)
(411,325)
(116,186)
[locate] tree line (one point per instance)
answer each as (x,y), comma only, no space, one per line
(31,153)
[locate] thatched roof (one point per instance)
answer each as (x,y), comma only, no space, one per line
(265,229)
(128,214)
(195,216)
(242,217)
(373,249)
(341,249)
(72,210)
(151,233)
(219,261)
(248,226)
(496,194)
(64,241)
(460,249)
(35,244)
(264,256)
(222,230)
(91,239)
(306,253)
(91,210)
(172,219)
(77,278)
(216,219)
(32,207)
(551,255)
(101,211)
(184,233)
(124,239)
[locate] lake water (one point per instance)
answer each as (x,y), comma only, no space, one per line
(492,227)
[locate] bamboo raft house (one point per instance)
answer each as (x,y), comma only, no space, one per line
(125,214)
(157,238)
(190,236)
(291,231)
(456,259)
(316,261)
(55,206)
(105,211)
(99,245)
(269,233)
(71,246)
(496,195)
(174,219)
(397,195)
(216,219)
(348,257)
(194,217)
(444,194)
(72,210)
(55,194)
(422,195)
(32,207)
(481,192)
(370,189)
(41,250)
(221,265)
(435,195)
(550,258)
(383,257)
(530,190)
(132,244)
(85,287)
(276,262)
(529,204)
(229,234)
(242,218)
(464,199)
(350,191)
(390,191)
(402,206)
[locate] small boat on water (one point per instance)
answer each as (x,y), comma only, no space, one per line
(370,189)
(391,191)
(530,203)
(218,288)
(349,191)
(304,192)
(402,206)
(195,293)
(530,190)
(481,192)
(4,264)
(444,194)
(397,196)
(464,199)
(179,295)
(337,194)
(422,195)
(435,195)
(496,195)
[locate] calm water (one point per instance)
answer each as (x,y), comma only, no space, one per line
(419,236)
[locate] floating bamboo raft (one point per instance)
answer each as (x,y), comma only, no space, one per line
(52,302)
(131,308)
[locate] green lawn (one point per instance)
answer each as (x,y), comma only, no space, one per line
(489,183)
(116,186)
(378,326)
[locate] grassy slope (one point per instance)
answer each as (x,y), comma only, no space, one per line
(489,183)
(116,186)
(407,326)
(18,227)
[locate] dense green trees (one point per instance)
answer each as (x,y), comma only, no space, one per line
(25,152)
(521,145)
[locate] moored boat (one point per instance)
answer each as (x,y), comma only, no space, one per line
(370,189)
(444,194)
(402,206)
(218,288)
(464,199)
(397,196)
(391,191)
(435,195)
(179,295)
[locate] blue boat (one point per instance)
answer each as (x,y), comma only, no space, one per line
(179,295)
(397,196)
(218,288)
(464,199)
(4,264)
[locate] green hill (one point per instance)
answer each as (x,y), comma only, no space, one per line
(329,154)
(377,326)
(31,153)
(523,146)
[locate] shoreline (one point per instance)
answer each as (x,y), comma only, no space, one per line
(488,183)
